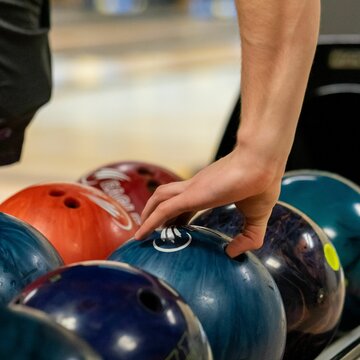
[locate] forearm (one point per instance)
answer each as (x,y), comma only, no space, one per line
(278,41)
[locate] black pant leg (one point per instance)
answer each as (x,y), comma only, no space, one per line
(25,70)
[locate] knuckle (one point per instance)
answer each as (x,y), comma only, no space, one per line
(157,193)
(163,207)
(161,188)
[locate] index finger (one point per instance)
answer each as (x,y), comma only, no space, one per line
(164,212)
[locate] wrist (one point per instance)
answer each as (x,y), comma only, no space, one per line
(267,149)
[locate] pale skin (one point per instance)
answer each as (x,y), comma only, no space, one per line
(278,42)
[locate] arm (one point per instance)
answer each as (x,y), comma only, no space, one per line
(278,39)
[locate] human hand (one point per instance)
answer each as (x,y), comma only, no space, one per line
(278,44)
(243,177)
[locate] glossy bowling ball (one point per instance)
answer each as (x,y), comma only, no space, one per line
(333,202)
(130,183)
(29,334)
(123,312)
(306,269)
(237,301)
(25,255)
(81,222)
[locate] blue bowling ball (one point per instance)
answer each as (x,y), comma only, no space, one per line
(237,301)
(29,334)
(123,312)
(305,268)
(333,202)
(25,254)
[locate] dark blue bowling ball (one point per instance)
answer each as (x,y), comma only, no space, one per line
(333,202)
(123,312)
(25,254)
(305,268)
(29,334)
(237,301)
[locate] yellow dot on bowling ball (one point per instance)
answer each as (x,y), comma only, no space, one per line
(331,257)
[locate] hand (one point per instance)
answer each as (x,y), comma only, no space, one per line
(243,177)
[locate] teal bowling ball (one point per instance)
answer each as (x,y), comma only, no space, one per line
(236,300)
(333,202)
(27,334)
(25,255)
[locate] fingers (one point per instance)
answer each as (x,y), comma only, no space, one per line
(164,211)
(249,240)
(204,190)
(252,238)
(162,193)
(257,211)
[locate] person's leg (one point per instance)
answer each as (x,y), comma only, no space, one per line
(25,70)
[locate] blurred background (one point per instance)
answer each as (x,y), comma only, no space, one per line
(148,80)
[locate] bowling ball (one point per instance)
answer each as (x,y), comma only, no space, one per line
(130,183)
(29,334)
(123,312)
(81,222)
(333,202)
(306,269)
(25,255)
(236,301)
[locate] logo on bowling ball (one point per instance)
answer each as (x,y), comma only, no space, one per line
(108,173)
(120,216)
(172,239)
(109,181)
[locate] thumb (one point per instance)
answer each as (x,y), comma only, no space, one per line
(251,238)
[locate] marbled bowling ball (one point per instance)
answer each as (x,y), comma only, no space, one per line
(131,183)
(29,334)
(81,222)
(237,301)
(25,255)
(306,269)
(333,202)
(123,312)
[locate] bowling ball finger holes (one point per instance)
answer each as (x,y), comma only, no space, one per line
(151,301)
(71,203)
(56,193)
(240,258)
(152,185)
(144,172)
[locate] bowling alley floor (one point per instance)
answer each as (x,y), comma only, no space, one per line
(156,87)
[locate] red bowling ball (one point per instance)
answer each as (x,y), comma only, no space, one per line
(81,222)
(130,183)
